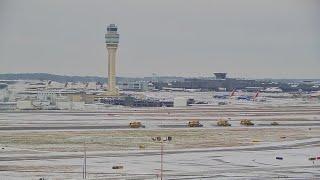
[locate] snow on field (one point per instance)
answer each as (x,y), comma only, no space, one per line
(210,152)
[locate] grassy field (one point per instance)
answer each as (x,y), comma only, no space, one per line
(121,140)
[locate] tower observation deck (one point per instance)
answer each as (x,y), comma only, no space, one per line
(112,41)
(112,36)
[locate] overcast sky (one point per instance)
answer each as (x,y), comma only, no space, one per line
(246,38)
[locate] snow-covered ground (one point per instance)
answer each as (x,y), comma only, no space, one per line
(210,152)
(256,162)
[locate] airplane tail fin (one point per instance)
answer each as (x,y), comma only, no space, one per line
(256,95)
(233,92)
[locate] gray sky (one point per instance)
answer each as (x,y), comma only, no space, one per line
(246,38)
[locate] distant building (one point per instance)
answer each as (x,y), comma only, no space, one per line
(220,75)
(136,86)
(214,84)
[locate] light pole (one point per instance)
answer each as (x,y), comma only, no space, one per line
(84,168)
(161,168)
(161,140)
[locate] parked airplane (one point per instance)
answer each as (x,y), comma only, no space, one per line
(225,96)
(248,98)
(240,97)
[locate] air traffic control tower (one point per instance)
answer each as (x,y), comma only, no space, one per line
(112,41)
